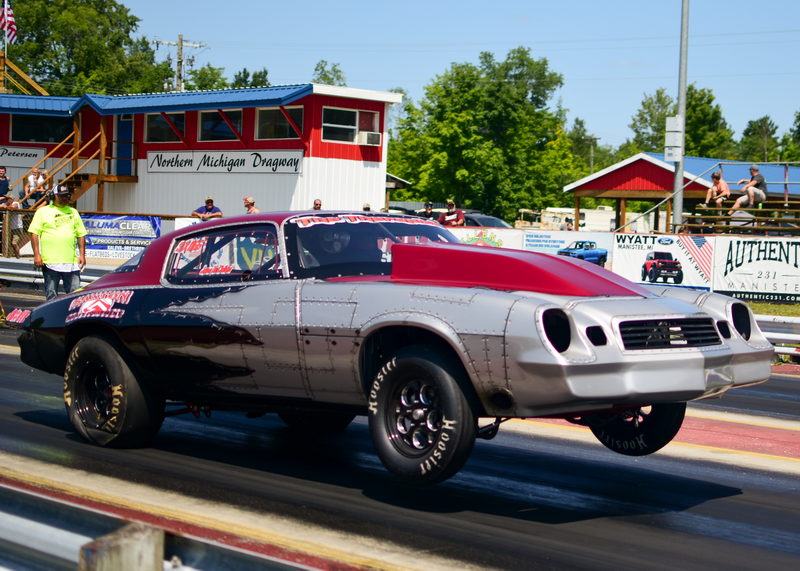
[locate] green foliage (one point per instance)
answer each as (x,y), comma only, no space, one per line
(328,74)
(242,78)
(759,141)
(707,132)
(206,77)
(483,136)
(72,47)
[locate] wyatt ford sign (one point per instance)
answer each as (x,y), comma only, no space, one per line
(261,162)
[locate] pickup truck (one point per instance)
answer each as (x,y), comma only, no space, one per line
(585,250)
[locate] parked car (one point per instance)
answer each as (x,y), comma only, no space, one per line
(484,220)
(661,265)
(585,250)
(322,316)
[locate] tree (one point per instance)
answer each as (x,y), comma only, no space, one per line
(479,134)
(242,78)
(649,124)
(707,132)
(329,74)
(207,77)
(72,47)
(759,141)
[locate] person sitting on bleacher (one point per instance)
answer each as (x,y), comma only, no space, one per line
(755,190)
(719,190)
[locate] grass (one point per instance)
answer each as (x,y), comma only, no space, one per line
(784,309)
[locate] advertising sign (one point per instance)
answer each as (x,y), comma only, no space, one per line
(757,269)
(255,161)
(119,237)
(498,237)
(595,247)
(20,156)
(670,259)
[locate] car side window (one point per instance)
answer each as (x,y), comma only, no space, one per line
(224,256)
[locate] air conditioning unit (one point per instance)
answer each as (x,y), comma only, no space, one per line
(369,138)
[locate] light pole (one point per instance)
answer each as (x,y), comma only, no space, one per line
(677,199)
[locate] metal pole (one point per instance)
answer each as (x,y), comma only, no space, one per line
(677,201)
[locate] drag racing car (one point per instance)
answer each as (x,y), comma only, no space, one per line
(322,316)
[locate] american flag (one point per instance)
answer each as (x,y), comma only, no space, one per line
(8,23)
(701,250)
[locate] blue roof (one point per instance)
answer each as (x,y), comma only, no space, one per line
(194,100)
(36,104)
(775,174)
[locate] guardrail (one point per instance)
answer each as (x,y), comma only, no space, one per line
(39,532)
(783,332)
(23,272)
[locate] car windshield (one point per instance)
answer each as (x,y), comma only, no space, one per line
(575,246)
(334,245)
(486,221)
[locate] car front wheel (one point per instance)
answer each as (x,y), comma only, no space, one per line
(105,401)
(422,425)
(652,275)
(639,431)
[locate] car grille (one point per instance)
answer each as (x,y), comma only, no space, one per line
(668,333)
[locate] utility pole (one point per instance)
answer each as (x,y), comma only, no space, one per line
(179,83)
(677,199)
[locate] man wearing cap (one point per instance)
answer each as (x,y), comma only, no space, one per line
(453,217)
(250,205)
(59,243)
(755,190)
(208,210)
(429,213)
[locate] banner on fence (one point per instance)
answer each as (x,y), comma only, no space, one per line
(651,258)
(119,237)
(758,269)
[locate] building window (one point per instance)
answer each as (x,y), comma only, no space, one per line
(214,128)
(343,125)
(272,124)
(30,128)
(159,131)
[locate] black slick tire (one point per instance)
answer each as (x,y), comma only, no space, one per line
(422,424)
(640,431)
(105,401)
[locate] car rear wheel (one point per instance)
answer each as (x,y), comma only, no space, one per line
(105,401)
(644,273)
(422,425)
(639,431)
(315,422)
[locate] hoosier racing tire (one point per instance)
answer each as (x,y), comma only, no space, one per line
(105,401)
(422,425)
(640,431)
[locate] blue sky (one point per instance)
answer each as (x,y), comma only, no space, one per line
(611,53)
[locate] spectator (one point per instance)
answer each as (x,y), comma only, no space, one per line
(429,213)
(453,217)
(250,205)
(366,207)
(59,243)
(755,190)
(207,211)
(18,238)
(4,182)
(317,204)
(719,190)
(33,190)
